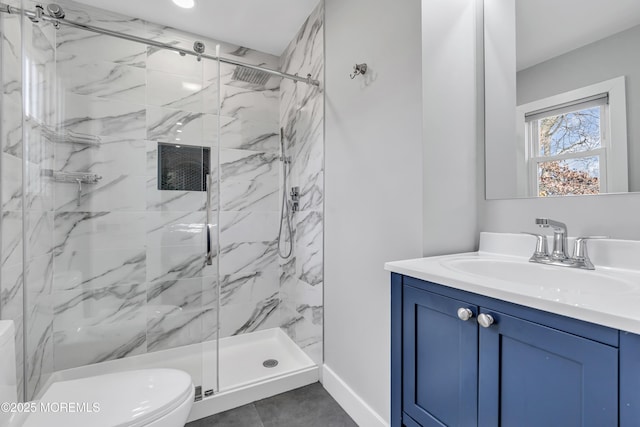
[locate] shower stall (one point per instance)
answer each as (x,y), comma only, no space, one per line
(161,202)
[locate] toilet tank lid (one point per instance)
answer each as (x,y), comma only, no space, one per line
(125,399)
(7,331)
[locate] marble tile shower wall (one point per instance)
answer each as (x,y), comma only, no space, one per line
(249,202)
(119,270)
(129,260)
(302,117)
(27,196)
(11,273)
(129,276)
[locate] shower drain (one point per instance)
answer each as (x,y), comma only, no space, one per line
(270,363)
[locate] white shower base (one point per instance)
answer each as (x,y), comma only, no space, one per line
(243,378)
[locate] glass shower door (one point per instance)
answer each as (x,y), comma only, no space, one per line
(211,280)
(119,140)
(11,190)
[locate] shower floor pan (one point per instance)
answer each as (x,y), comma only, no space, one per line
(243,376)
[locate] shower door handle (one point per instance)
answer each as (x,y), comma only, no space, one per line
(209,245)
(208,225)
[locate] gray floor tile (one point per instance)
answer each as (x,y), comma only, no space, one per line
(244,416)
(309,406)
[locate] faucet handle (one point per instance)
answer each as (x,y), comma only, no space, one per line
(542,251)
(580,248)
(580,254)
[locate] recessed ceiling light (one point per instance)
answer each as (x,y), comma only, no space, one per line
(187,4)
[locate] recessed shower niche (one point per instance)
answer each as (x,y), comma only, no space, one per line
(182,167)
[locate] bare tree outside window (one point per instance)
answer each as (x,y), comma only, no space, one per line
(575,134)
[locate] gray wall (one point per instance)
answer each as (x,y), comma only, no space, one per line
(603,60)
(400,158)
(615,215)
(373,186)
(449,126)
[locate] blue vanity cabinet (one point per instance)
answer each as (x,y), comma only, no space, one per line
(533,375)
(440,360)
(528,368)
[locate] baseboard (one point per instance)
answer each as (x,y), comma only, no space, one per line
(353,404)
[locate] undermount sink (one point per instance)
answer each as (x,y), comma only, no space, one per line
(547,280)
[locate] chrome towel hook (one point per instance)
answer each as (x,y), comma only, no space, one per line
(358,70)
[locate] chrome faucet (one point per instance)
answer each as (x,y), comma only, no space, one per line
(558,255)
(559,237)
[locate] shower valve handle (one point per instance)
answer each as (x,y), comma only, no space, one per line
(295,194)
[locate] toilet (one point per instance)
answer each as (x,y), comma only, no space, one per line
(145,397)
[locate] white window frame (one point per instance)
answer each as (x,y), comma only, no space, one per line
(612,154)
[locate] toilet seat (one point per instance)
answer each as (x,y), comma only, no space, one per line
(126,399)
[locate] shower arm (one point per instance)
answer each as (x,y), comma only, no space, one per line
(40,16)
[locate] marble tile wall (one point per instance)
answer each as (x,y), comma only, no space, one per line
(129,260)
(119,270)
(40,102)
(302,117)
(249,207)
(27,209)
(12,266)
(100,255)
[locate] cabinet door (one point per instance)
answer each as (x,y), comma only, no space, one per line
(440,360)
(532,375)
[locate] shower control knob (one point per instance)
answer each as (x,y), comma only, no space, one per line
(464,314)
(485,320)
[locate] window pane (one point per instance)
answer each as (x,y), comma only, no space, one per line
(564,177)
(573,132)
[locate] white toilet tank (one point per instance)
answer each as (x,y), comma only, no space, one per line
(8,389)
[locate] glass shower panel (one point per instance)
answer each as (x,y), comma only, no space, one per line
(271,157)
(11,167)
(211,282)
(249,217)
(40,115)
(120,138)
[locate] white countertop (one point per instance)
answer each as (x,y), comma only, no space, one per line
(614,306)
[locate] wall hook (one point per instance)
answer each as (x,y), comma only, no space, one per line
(358,70)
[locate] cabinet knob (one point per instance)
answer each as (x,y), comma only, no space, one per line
(485,320)
(464,314)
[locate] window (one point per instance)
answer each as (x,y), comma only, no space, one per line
(568,147)
(569,142)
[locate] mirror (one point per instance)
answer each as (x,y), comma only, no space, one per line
(562,97)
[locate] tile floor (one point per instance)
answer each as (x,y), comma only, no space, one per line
(309,406)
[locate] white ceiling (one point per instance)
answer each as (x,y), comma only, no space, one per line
(267,26)
(548,28)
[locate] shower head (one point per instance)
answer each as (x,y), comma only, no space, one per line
(250,75)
